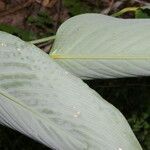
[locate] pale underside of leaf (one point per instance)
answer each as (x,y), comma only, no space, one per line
(99,46)
(43,101)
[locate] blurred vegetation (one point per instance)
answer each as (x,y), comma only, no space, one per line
(25,35)
(131,95)
(43,22)
(76,7)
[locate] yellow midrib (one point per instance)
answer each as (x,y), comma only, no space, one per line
(102,57)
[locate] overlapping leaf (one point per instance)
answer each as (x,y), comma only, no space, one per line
(99,46)
(43,101)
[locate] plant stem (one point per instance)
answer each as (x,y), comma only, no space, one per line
(43,40)
(128,9)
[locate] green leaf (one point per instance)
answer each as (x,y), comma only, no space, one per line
(98,46)
(43,101)
(141,14)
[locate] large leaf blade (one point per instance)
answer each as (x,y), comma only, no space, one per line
(48,104)
(99,46)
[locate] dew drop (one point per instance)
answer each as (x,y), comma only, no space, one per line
(77,114)
(18,49)
(66,72)
(2,44)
